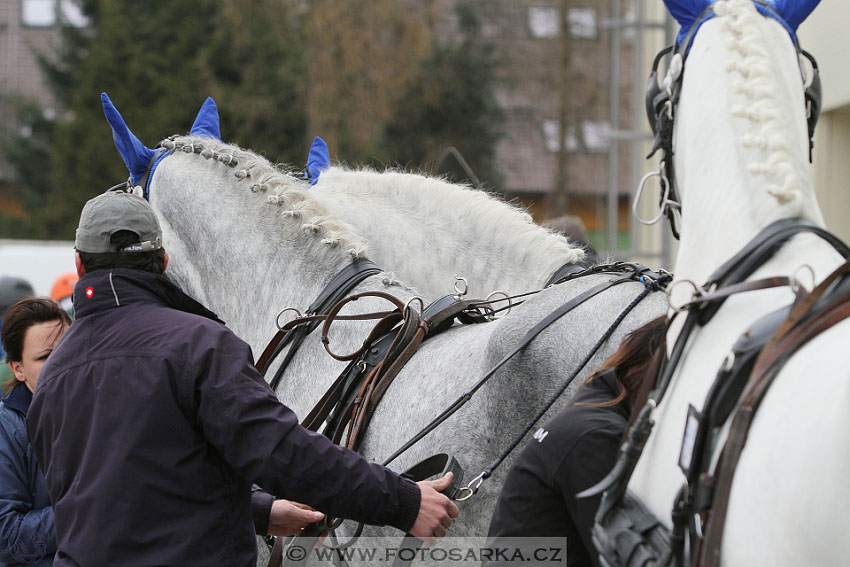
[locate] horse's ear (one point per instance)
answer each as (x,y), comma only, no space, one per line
(206,123)
(318,160)
(794,12)
(686,11)
(135,154)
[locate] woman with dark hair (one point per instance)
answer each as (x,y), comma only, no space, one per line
(31,329)
(574,451)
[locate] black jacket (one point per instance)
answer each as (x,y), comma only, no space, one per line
(572,452)
(150,423)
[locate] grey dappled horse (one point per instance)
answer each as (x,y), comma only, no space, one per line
(248,240)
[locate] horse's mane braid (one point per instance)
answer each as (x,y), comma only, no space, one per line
(764,109)
(278,186)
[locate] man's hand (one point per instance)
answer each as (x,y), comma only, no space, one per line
(435,510)
(289,518)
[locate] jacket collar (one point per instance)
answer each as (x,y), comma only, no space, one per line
(18,398)
(107,289)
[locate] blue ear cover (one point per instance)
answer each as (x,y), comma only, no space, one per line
(318,160)
(207,121)
(792,12)
(135,154)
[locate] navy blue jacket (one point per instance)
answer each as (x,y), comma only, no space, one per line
(27,536)
(151,424)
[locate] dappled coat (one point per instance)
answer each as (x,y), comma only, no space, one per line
(26,517)
(151,423)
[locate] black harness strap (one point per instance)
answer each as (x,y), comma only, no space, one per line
(634,271)
(562,273)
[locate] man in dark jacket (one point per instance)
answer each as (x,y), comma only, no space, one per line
(151,423)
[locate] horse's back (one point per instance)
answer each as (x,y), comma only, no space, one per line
(797,448)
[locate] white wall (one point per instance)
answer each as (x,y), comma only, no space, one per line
(825,36)
(39,262)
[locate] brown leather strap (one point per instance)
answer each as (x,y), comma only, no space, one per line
(787,340)
(765,283)
(404,344)
(384,325)
(276,557)
(304,320)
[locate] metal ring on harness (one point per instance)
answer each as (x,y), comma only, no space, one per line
(411,300)
(488,309)
(699,291)
(282,311)
(472,490)
(458,292)
(795,283)
(665,198)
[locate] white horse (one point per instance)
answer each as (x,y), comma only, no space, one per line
(247,240)
(741,157)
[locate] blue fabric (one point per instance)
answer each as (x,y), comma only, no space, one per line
(207,122)
(317,161)
(27,533)
(135,154)
(793,13)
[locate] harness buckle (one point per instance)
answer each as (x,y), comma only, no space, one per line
(471,488)
(282,311)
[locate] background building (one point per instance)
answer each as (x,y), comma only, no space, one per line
(570,79)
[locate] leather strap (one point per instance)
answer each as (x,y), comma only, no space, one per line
(529,336)
(787,341)
(346,280)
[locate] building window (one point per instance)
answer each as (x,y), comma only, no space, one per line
(583,23)
(544,22)
(595,137)
(43,13)
(38,13)
(72,14)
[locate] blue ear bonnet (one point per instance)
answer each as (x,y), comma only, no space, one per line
(141,161)
(691,14)
(318,160)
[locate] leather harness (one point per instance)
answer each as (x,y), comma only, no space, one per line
(625,533)
(352,399)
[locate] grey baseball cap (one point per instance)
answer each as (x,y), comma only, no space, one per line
(112,211)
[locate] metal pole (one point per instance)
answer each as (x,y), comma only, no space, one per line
(637,247)
(614,114)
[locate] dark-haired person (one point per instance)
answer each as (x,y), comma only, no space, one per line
(31,328)
(12,290)
(574,451)
(151,422)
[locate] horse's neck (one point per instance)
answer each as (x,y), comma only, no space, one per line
(234,251)
(741,155)
(427,231)
(741,142)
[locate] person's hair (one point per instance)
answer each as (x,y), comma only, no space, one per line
(634,363)
(20,317)
(570,226)
(152,261)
